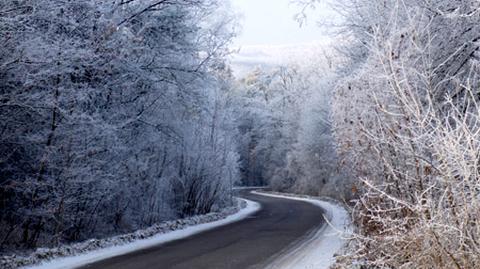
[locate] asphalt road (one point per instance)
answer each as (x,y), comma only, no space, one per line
(251,243)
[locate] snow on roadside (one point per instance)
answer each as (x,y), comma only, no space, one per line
(93,250)
(318,252)
(248,188)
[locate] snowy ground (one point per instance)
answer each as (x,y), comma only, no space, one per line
(319,250)
(185,230)
(248,188)
(316,252)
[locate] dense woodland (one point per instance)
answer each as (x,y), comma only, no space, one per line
(407,121)
(286,139)
(115,115)
(119,115)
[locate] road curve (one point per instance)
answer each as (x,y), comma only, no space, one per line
(254,242)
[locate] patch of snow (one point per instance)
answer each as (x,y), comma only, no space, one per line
(182,229)
(318,252)
(249,188)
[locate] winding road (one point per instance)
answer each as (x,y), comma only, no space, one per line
(279,226)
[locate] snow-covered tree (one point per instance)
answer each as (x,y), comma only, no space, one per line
(286,132)
(406,119)
(110,111)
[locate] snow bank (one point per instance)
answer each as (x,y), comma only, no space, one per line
(248,188)
(80,254)
(317,252)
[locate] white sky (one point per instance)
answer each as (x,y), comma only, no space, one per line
(271,22)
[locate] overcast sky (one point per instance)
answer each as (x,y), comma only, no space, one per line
(271,22)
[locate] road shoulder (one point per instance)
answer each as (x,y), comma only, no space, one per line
(319,249)
(96,250)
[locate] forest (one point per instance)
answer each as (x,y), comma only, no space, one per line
(116,115)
